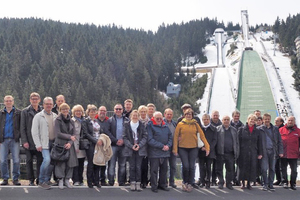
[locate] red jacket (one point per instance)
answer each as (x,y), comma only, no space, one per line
(290,139)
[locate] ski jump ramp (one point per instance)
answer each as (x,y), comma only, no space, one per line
(254,91)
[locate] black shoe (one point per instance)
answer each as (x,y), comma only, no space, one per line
(90,185)
(45,186)
(111,184)
(201,185)
(104,184)
(4,182)
(229,186)
(265,188)
(52,183)
(121,184)
(195,186)
(143,185)
(154,190)
(207,185)
(249,187)
(220,186)
(173,185)
(98,185)
(213,183)
(163,188)
(271,188)
(237,183)
(31,183)
(293,187)
(16,182)
(277,183)
(285,185)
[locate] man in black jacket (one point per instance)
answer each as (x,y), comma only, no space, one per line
(10,140)
(115,134)
(27,115)
(227,151)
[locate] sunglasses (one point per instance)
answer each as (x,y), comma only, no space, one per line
(118,109)
(158,119)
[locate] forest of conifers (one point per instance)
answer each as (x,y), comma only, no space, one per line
(103,65)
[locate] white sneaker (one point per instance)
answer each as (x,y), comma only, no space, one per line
(61,184)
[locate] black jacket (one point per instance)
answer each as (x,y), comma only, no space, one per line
(211,137)
(16,124)
(27,115)
(221,139)
(277,143)
(129,140)
(113,129)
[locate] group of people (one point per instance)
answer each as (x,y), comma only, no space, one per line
(145,137)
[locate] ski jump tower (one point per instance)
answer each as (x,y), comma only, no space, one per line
(245,28)
(220,39)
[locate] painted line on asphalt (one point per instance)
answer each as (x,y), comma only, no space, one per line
(25,190)
(97,189)
(212,193)
(177,190)
(200,191)
(124,189)
(221,190)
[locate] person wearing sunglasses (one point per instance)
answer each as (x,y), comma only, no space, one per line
(116,127)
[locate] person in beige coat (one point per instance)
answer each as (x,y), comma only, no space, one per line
(42,132)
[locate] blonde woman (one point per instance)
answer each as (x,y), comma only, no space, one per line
(187,148)
(78,118)
(250,151)
(92,133)
(135,140)
(64,130)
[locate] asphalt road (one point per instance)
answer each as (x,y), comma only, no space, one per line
(124,193)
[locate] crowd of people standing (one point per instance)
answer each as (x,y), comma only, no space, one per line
(252,152)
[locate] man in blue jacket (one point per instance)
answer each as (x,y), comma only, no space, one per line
(159,145)
(10,118)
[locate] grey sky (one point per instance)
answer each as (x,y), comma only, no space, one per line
(147,14)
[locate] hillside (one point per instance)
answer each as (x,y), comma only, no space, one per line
(89,64)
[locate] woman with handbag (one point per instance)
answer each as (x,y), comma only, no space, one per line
(92,133)
(185,143)
(65,136)
(78,118)
(135,140)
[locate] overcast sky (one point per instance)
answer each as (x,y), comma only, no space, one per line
(148,15)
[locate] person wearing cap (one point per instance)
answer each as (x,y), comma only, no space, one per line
(184,107)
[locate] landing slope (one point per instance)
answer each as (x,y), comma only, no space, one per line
(254,89)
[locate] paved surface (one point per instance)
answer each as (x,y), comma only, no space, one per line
(124,193)
(254,88)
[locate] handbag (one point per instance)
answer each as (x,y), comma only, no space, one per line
(200,144)
(59,153)
(84,143)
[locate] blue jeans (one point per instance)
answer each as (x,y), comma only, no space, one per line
(188,158)
(14,147)
(268,168)
(44,177)
(117,155)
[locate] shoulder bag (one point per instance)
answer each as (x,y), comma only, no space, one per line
(59,153)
